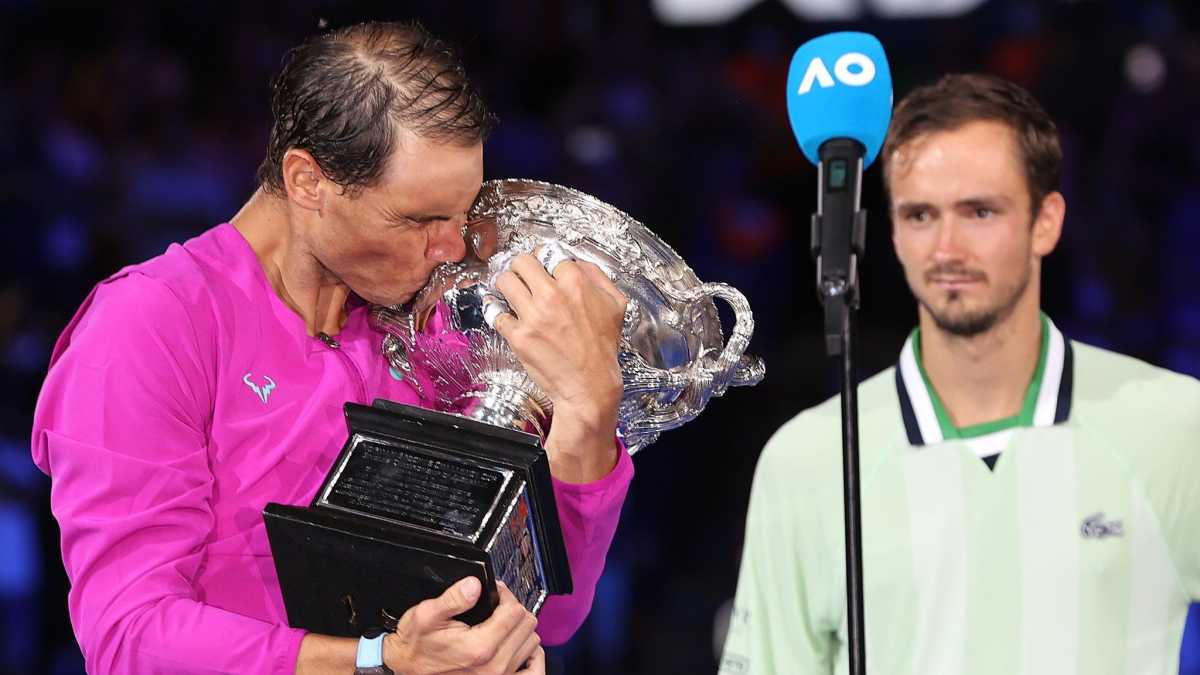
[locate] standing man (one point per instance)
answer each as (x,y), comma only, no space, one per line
(191,389)
(1030,504)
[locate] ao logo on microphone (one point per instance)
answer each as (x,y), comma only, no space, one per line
(839,86)
(853,69)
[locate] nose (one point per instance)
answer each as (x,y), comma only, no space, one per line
(446,241)
(948,240)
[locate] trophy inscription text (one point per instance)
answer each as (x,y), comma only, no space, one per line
(415,487)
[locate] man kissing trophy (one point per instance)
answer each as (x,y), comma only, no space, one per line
(418,498)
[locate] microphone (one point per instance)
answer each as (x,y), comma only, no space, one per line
(839,101)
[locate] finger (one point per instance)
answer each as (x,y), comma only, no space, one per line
(568,271)
(522,654)
(505,324)
(533,274)
(537,663)
(507,618)
(512,287)
(516,293)
(457,599)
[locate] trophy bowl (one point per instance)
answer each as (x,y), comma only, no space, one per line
(672,353)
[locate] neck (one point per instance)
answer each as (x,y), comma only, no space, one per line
(983,378)
(295,274)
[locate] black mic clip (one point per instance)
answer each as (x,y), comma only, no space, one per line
(839,230)
(832,286)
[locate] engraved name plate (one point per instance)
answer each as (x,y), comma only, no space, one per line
(403,483)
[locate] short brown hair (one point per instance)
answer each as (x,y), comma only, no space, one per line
(341,96)
(956,100)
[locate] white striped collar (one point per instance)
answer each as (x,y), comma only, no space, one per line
(919,408)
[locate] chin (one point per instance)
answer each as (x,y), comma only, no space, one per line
(386,299)
(956,319)
(393,301)
(401,298)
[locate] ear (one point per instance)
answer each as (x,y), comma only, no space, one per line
(1047,225)
(303,180)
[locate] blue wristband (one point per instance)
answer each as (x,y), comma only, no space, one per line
(370,652)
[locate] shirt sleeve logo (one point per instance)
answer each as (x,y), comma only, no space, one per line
(1095,527)
(734,664)
(263,392)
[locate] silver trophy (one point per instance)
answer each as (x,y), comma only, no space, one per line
(672,354)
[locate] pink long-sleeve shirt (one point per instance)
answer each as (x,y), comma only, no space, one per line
(183,397)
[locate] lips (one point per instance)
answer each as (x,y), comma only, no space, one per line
(953,284)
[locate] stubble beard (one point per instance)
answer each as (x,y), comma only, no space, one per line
(969,323)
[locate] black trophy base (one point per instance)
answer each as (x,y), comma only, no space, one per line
(416,501)
(347,578)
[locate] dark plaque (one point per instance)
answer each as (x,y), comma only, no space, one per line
(417,500)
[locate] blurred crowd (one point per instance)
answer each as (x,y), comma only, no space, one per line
(127,126)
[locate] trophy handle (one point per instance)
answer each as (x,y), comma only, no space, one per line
(704,377)
(749,372)
(733,366)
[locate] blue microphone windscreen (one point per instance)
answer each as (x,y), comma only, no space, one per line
(839,86)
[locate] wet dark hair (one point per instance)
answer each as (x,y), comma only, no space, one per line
(342,96)
(956,100)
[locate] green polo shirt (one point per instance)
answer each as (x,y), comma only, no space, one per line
(1078,552)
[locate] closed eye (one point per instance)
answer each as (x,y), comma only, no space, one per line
(419,221)
(407,222)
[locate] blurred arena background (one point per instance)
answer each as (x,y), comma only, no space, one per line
(126,126)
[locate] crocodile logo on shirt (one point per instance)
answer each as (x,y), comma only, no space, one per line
(263,392)
(734,664)
(1095,527)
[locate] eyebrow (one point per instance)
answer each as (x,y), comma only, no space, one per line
(393,214)
(912,207)
(974,201)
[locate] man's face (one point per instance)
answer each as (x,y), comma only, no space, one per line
(962,225)
(385,241)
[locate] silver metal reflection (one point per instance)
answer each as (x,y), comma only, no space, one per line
(673,356)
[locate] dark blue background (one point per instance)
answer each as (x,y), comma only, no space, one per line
(124,128)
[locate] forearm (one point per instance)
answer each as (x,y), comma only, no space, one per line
(322,654)
(180,636)
(580,445)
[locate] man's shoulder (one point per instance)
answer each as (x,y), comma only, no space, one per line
(1146,415)
(172,296)
(203,277)
(197,266)
(1118,389)
(810,443)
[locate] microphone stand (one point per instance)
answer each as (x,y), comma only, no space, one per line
(838,238)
